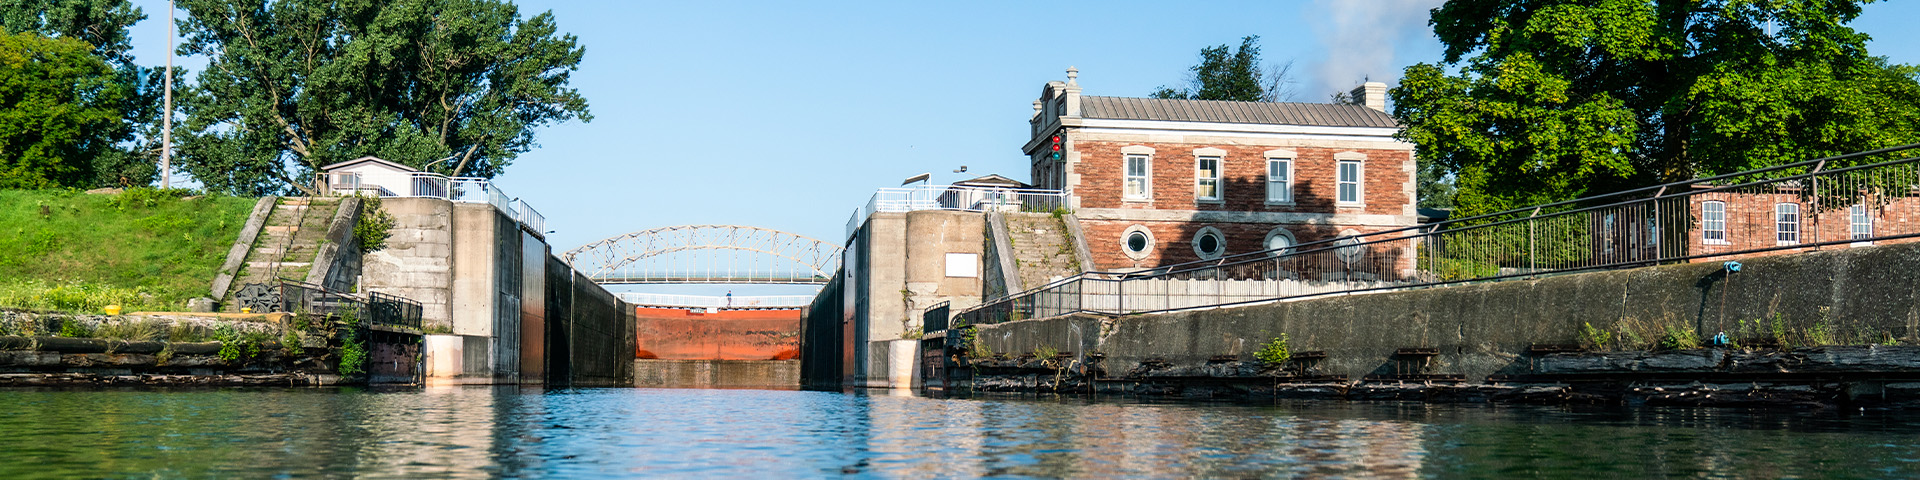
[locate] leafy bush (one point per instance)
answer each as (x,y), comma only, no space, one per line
(375,225)
(1275,352)
(238,345)
(353,355)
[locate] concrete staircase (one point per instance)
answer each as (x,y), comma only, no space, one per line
(1043,250)
(288,241)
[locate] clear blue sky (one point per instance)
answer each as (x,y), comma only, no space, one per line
(788,115)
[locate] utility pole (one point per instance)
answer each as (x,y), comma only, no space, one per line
(166,121)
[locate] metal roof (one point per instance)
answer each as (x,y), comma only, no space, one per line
(1220,111)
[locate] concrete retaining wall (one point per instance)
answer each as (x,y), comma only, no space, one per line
(417,263)
(717,373)
(1864,295)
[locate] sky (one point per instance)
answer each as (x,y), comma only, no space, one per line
(788,115)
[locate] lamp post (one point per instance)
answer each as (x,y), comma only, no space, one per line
(166,121)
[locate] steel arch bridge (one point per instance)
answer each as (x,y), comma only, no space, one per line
(710,254)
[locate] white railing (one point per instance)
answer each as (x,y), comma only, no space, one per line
(526,215)
(958,198)
(707,301)
(433,185)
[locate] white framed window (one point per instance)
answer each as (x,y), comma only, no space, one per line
(1859,223)
(1280,180)
(1350,183)
(1713,222)
(1139,183)
(1209,243)
(1786,221)
(1206,179)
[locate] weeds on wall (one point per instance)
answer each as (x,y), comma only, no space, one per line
(1275,351)
(375,226)
(1594,338)
(976,348)
(71,328)
(1045,352)
(1679,338)
(353,354)
(236,345)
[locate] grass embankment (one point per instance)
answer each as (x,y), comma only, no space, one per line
(144,249)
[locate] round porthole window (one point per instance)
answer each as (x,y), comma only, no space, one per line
(1350,250)
(1209,243)
(1136,242)
(1279,242)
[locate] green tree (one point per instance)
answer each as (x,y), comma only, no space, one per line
(60,107)
(103,25)
(1234,74)
(294,85)
(1555,99)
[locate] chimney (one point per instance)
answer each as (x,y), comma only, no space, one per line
(1073,92)
(1371,95)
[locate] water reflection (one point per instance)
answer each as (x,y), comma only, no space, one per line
(470,432)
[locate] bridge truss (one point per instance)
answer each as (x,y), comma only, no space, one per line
(707,254)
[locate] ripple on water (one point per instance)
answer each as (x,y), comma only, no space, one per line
(504,431)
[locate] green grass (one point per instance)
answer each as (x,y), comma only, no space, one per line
(144,249)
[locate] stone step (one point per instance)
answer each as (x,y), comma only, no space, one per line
(283,265)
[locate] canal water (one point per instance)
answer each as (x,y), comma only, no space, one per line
(475,432)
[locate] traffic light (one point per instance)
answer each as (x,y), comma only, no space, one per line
(1056,146)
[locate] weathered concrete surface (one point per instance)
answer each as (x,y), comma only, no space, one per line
(336,266)
(237,254)
(717,373)
(417,263)
(896,268)
(1865,294)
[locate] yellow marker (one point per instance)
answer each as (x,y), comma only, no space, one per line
(113,309)
(246,309)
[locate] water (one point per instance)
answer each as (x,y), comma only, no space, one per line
(507,432)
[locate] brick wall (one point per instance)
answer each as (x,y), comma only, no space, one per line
(1243,178)
(1751,224)
(1173,241)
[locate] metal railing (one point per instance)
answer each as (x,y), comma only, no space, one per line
(1795,207)
(934,318)
(710,301)
(433,185)
(958,198)
(375,309)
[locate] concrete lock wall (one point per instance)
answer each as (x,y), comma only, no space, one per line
(517,314)
(895,267)
(821,347)
(417,263)
(1862,294)
(600,347)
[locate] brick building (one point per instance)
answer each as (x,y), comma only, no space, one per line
(1736,221)
(1160,181)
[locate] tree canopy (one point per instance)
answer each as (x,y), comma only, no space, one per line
(125,156)
(1234,74)
(294,85)
(59,110)
(1556,99)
